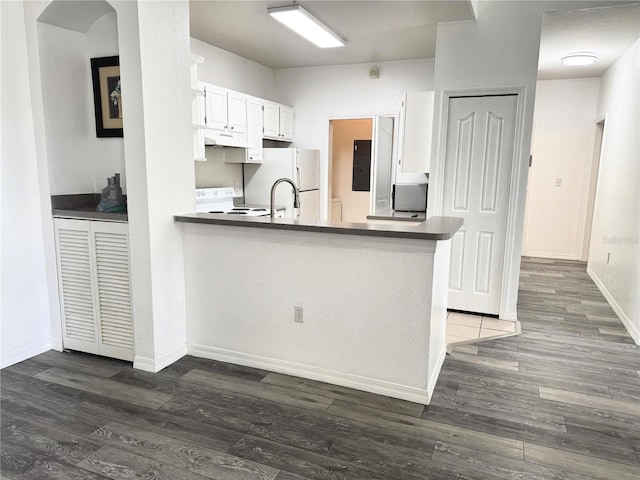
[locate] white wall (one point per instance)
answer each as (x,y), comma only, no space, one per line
(106,154)
(319,94)
(232,71)
(355,205)
(616,213)
(155,58)
(25,321)
(79,162)
(68,109)
(563,147)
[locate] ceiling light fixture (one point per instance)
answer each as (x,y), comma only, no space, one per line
(303,23)
(579,58)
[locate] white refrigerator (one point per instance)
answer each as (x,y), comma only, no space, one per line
(300,165)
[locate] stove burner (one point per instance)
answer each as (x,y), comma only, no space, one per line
(216,211)
(240,209)
(232,212)
(259,209)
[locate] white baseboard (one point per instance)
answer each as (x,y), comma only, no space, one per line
(626,321)
(433,377)
(367,384)
(25,352)
(56,344)
(155,365)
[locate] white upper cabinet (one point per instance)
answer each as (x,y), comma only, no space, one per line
(236,112)
(253,151)
(278,122)
(225,117)
(233,119)
(286,123)
(416,124)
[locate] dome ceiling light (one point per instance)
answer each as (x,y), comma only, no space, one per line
(579,58)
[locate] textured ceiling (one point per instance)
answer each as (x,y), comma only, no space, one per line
(379,30)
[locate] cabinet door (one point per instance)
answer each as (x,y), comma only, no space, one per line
(286,123)
(95,289)
(271,120)
(417,123)
(236,112)
(216,107)
(114,312)
(254,123)
(75,282)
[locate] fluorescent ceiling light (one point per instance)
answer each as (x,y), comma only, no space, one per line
(579,58)
(303,23)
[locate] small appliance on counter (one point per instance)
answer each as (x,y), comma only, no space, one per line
(410,197)
(220,200)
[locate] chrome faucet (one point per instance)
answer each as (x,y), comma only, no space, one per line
(296,195)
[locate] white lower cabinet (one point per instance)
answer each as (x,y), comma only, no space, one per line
(95,288)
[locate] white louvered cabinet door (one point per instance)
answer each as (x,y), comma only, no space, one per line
(75,281)
(113,292)
(95,288)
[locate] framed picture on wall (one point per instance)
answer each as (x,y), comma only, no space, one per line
(107,96)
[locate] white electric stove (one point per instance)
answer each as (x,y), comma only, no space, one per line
(220,200)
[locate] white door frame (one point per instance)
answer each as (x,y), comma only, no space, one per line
(517,187)
(325,173)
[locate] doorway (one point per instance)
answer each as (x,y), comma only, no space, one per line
(350,198)
(593,187)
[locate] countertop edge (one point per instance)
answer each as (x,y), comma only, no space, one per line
(434,228)
(88,215)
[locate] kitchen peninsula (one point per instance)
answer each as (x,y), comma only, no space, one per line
(357,305)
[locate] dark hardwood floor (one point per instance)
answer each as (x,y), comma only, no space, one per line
(559,401)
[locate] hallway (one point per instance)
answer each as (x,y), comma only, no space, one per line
(559,401)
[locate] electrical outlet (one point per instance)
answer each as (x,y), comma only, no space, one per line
(298,313)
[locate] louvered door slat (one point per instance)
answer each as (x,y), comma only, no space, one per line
(114,292)
(73,241)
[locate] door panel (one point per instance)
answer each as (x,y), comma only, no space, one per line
(457,259)
(463,163)
(381,164)
(478,159)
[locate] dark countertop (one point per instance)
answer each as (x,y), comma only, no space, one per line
(398,216)
(434,228)
(90,213)
(83,207)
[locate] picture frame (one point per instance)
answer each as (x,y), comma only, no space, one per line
(107,96)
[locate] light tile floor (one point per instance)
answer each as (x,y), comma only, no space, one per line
(464,327)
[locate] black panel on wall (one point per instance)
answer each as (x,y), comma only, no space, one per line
(361,166)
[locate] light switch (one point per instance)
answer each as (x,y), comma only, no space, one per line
(558,182)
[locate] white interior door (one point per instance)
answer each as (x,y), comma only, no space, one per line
(478,159)
(381,164)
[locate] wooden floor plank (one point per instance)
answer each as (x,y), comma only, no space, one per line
(181,453)
(259,390)
(119,464)
(631,407)
(109,388)
(346,394)
(581,464)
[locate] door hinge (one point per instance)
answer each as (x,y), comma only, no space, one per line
(530,160)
